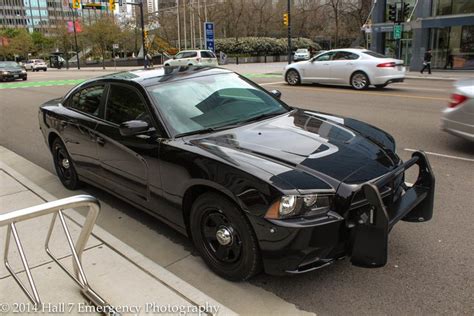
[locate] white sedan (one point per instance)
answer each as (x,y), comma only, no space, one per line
(458,117)
(359,68)
(193,58)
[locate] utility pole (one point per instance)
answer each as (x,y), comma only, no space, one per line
(75,37)
(185,38)
(289,31)
(145,60)
(178,20)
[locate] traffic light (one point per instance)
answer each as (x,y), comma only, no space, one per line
(145,33)
(392,12)
(285,19)
(112,5)
(405,10)
(76,4)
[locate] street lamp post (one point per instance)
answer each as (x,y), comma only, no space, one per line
(289,32)
(142,24)
(75,37)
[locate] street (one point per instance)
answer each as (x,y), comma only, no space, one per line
(430,268)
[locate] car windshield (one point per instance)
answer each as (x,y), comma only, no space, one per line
(9,64)
(212,102)
(302,51)
(374,54)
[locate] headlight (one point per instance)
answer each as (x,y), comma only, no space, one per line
(23,71)
(5,72)
(300,205)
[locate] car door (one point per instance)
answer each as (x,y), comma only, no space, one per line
(342,65)
(129,163)
(208,58)
(176,60)
(318,69)
(77,127)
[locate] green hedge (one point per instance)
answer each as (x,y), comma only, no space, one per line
(260,46)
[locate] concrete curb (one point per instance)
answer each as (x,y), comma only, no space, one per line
(148,266)
(432,78)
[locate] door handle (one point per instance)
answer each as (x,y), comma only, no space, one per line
(100,141)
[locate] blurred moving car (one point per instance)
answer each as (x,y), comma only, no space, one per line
(302,54)
(358,68)
(193,58)
(458,117)
(11,70)
(36,65)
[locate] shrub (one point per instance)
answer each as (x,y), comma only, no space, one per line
(260,46)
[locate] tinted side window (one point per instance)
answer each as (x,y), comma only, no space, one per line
(124,104)
(324,57)
(88,99)
(345,56)
(190,54)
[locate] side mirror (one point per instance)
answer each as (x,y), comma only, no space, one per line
(134,127)
(276,93)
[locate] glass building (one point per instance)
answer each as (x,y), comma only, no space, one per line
(445,26)
(43,15)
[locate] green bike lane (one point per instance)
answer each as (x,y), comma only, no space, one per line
(70,82)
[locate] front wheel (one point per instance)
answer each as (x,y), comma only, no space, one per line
(359,81)
(293,77)
(224,238)
(64,167)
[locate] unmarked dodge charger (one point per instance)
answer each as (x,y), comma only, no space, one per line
(255,183)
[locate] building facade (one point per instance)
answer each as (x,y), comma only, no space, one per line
(445,26)
(44,15)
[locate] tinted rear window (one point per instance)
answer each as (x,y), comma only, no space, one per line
(206,54)
(374,54)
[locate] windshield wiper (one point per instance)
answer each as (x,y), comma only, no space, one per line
(205,130)
(262,116)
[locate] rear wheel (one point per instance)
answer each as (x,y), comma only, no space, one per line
(63,165)
(45,69)
(224,238)
(359,81)
(293,77)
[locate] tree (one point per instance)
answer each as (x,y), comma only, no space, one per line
(22,44)
(101,35)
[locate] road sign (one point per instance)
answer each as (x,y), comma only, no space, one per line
(397,31)
(209,35)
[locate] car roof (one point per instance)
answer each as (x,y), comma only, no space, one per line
(151,77)
(351,50)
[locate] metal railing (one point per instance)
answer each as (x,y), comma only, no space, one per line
(12,218)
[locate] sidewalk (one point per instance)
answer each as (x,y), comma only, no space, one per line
(438,74)
(123,277)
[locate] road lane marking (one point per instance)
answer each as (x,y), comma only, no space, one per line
(270,83)
(366,93)
(36,84)
(442,155)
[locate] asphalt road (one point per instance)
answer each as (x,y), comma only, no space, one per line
(431,265)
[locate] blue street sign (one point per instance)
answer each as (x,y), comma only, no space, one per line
(209,35)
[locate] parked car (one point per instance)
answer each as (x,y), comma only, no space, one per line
(359,68)
(193,58)
(302,54)
(253,182)
(36,65)
(10,70)
(458,117)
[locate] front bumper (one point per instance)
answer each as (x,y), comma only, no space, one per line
(302,245)
(13,76)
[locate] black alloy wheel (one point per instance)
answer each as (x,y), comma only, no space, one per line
(64,167)
(224,238)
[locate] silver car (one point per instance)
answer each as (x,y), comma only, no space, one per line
(458,117)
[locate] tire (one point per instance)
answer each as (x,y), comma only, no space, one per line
(292,77)
(213,215)
(380,86)
(24,79)
(45,69)
(167,65)
(359,80)
(64,166)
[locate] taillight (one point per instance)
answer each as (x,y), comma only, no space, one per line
(456,99)
(386,65)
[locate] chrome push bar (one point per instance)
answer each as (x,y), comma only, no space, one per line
(56,207)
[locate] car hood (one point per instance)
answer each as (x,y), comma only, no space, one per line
(331,148)
(10,69)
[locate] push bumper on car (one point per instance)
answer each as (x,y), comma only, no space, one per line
(298,246)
